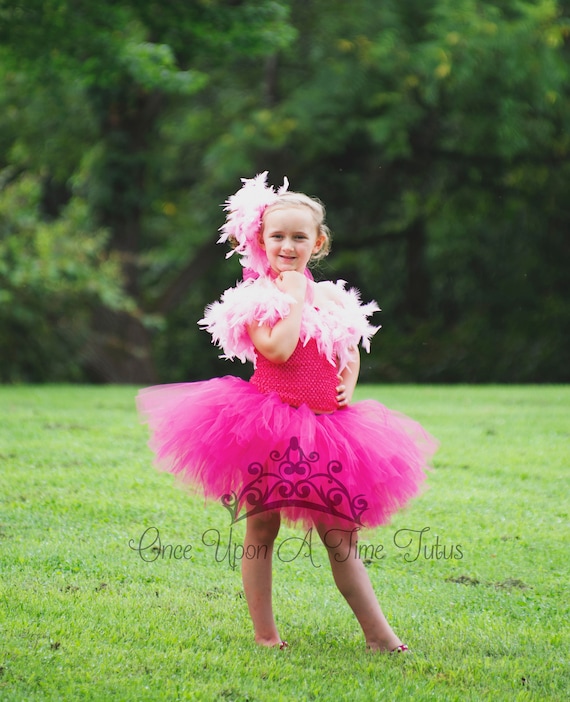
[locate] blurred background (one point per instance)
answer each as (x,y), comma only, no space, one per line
(436,132)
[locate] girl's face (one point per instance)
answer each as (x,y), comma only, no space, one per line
(290,238)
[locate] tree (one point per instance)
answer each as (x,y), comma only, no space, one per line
(51,275)
(133,67)
(437,132)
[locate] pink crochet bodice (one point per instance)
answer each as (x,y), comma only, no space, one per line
(306,377)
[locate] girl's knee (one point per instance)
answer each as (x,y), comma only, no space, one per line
(340,541)
(264,528)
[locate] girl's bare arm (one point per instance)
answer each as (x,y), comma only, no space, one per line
(277,343)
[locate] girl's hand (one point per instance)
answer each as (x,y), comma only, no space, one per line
(342,397)
(292,282)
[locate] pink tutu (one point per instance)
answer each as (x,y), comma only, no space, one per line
(255,453)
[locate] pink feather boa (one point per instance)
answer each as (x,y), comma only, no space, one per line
(338,326)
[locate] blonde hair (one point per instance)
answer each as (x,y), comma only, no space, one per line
(292,199)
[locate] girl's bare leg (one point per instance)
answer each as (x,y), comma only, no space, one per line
(352,580)
(261,532)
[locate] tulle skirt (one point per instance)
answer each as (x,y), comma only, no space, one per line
(256,454)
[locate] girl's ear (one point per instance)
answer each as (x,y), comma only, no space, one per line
(319,243)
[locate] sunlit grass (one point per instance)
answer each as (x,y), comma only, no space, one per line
(482,600)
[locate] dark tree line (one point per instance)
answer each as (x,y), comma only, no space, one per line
(436,133)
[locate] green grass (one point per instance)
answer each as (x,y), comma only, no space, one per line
(83,616)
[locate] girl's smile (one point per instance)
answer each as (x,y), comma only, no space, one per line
(290,238)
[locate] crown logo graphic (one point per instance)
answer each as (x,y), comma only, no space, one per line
(294,479)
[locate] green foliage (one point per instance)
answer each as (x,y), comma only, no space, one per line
(436,133)
(120,76)
(153,66)
(52,275)
(441,149)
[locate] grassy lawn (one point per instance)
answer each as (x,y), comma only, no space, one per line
(88,610)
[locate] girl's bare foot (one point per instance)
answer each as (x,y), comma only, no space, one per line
(271,643)
(374,648)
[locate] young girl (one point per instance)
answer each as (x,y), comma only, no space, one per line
(288,443)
